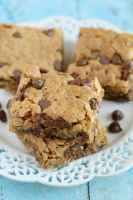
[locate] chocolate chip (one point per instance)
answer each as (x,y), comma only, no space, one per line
(38,83)
(3,116)
(93,103)
(74,75)
(17,35)
(0,105)
(114,127)
(116,59)
(44,103)
(124,73)
(17,75)
(62,123)
(117,115)
(38,130)
(43,71)
(59,66)
(82,62)
(49,32)
(50,122)
(75,82)
(104,60)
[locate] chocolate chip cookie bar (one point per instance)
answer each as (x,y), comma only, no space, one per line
(108,55)
(55,152)
(25,45)
(54,104)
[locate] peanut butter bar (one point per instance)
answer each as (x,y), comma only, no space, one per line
(24,45)
(54,104)
(55,152)
(108,55)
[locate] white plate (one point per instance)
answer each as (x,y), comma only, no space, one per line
(17,164)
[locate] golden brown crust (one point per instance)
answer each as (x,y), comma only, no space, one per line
(107,55)
(24,45)
(59,104)
(55,152)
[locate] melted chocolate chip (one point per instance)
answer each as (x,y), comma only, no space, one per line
(49,32)
(38,83)
(79,82)
(116,59)
(59,66)
(93,103)
(17,35)
(58,122)
(44,103)
(62,123)
(117,115)
(104,60)
(114,127)
(74,75)
(17,75)
(44,71)
(124,73)
(86,82)
(75,82)
(82,61)
(3,117)
(38,130)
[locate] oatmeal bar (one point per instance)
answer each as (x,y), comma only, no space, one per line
(54,104)
(25,45)
(53,152)
(109,56)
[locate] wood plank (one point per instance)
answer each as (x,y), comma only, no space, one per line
(113,11)
(13,190)
(113,188)
(28,10)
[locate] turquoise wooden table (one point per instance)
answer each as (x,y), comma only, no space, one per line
(119,12)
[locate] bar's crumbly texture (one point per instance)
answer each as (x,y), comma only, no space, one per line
(54,104)
(53,152)
(109,56)
(25,45)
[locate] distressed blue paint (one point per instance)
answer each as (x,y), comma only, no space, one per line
(12,190)
(29,10)
(119,12)
(113,188)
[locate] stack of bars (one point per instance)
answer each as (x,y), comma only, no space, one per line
(54,110)
(56,117)
(53,114)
